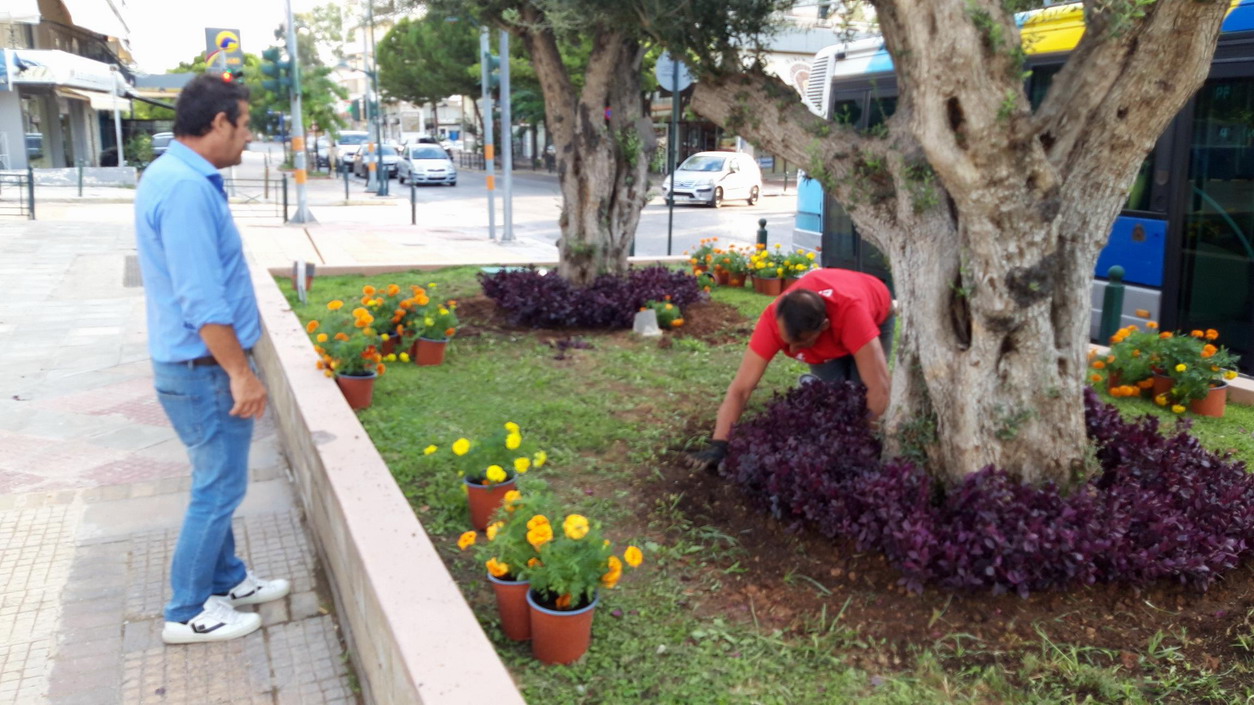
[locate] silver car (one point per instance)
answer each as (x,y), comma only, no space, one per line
(386,155)
(426,164)
(709,178)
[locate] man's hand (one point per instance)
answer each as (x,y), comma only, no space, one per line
(249,395)
(709,457)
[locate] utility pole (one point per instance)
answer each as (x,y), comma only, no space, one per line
(380,173)
(485,58)
(302,214)
(507,143)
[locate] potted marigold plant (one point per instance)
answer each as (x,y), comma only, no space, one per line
(1199,372)
(488,468)
(574,561)
(508,557)
(668,314)
(434,326)
(1128,367)
(347,346)
(731,266)
(767,267)
(701,258)
(796,264)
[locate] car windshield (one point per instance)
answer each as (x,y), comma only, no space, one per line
(387,151)
(352,139)
(699,163)
(428,153)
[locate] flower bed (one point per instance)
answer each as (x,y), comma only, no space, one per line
(537,300)
(1160,507)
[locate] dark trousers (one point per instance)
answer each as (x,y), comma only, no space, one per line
(844,368)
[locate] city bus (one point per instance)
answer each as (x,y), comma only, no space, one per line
(1185,238)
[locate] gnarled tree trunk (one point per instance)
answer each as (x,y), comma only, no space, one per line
(603,140)
(992,216)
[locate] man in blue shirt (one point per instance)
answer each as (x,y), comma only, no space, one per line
(202,323)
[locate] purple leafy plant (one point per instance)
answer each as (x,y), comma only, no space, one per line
(537,300)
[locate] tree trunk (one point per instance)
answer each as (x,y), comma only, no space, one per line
(435,115)
(992,216)
(602,163)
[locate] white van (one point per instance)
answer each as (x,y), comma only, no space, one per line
(709,178)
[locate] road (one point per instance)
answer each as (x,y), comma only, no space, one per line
(537,204)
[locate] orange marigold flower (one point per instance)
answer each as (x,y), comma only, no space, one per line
(1151,325)
(1165,335)
(1197,334)
(1096,378)
(1211,334)
(341,336)
(320,364)
(1099,365)
(450,331)
(393,290)
(1209,350)
(311,326)
(368,290)
(381,368)
(563,602)
(1145,383)
(677,323)
(335,305)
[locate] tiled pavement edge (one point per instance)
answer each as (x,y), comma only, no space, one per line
(92,488)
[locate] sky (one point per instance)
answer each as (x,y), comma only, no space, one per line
(163,33)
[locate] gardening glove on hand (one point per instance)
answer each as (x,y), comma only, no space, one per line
(708,458)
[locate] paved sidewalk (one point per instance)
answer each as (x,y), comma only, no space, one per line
(93,483)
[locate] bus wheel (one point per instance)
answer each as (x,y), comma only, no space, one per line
(717,201)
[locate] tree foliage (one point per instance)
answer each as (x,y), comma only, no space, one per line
(425,60)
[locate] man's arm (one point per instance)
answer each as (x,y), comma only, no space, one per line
(738,393)
(247,390)
(873,369)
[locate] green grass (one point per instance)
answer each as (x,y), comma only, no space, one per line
(606,416)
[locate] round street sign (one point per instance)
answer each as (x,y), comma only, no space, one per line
(226,41)
(665,73)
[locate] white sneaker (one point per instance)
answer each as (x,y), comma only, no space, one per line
(218,622)
(254,591)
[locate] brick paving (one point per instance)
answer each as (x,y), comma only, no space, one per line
(93,483)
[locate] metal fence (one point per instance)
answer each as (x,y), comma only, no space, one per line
(475,160)
(17,195)
(258,198)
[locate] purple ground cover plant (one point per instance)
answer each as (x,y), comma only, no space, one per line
(1161,506)
(537,300)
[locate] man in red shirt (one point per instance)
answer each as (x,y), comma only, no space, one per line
(838,321)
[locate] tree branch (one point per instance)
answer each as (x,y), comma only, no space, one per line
(559,91)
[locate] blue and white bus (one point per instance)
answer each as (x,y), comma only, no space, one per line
(1186,236)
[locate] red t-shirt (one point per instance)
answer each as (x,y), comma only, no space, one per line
(857,305)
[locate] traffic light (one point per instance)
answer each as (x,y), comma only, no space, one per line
(278,71)
(494,71)
(233,75)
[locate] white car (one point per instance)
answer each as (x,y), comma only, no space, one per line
(347,142)
(426,164)
(387,156)
(709,178)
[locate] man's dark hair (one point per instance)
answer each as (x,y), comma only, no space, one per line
(801,311)
(202,99)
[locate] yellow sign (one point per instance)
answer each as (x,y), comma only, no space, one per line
(227,41)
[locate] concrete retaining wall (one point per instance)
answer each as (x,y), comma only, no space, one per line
(413,638)
(92,176)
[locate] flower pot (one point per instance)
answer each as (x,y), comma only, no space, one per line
(770,287)
(389,346)
(511,603)
(559,636)
(484,500)
(736,280)
(428,352)
(721,276)
(700,269)
(358,390)
(308,282)
(789,282)
(1162,384)
(1213,404)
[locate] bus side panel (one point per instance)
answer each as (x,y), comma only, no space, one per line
(808,226)
(1137,245)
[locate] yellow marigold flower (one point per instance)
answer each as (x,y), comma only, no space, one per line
(810,255)
(466,540)
(311,326)
(385,337)
(575,526)
(461,446)
(328,373)
(368,290)
(610,578)
(522,465)
(778,246)
(540,458)
(1211,334)
(540,535)
(537,520)
(633,556)
(391,357)
(509,499)
(404,357)
(1181,367)
(429,450)
(322,337)
(496,473)
(497,568)
(512,427)
(512,441)
(1230,374)
(428,321)
(493,529)
(1161,400)
(1177,409)
(335,305)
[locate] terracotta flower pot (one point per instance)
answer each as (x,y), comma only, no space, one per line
(1213,404)
(389,346)
(1162,384)
(736,280)
(358,390)
(789,282)
(511,603)
(721,276)
(700,269)
(770,287)
(428,352)
(484,500)
(560,636)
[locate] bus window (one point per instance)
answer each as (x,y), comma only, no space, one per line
(1139,196)
(1038,83)
(1217,258)
(880,109)
(847,111)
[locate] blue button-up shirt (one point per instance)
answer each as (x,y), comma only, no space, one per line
(191,257)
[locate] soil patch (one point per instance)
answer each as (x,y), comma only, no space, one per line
(789,574)
(713,322)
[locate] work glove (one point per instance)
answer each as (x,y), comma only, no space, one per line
(709,457)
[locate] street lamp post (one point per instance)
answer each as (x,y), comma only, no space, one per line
(379,174)
(302,214)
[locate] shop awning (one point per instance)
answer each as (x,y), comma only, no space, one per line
(98,16)
(99,101)
(60,68)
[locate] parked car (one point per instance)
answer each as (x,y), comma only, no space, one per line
(34,145)
(710,178)
(388,157)
(347,142)
(160,142)
(426,164)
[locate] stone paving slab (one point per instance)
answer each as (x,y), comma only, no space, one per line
(93,484)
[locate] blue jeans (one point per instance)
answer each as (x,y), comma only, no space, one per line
(844,369)
(198,402)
